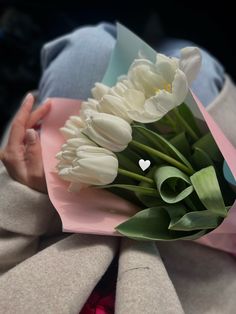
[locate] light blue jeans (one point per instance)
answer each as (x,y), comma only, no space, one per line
(72,64)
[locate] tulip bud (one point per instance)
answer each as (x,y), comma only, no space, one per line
(72,127)
(99,90)
(95,170)
(114,105)
(89,104)
(108,131)
(79,141)
(87,164)
(85,151)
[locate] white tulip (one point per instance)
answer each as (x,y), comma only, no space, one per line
(114,105)
(79,141)
(67,154)
(99,90)
(107,130)
(164,100)
(122,99)
(165,83)
(92,166)
(89,104)
(72,127)
(85,151)
(69,149)
(121,87)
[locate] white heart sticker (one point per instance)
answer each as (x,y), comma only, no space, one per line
(144,164)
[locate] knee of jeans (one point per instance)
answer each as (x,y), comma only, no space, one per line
(210,79)
(103,33)
(52,49)
(102,29)
(100,38)
(213,68)
(82,62)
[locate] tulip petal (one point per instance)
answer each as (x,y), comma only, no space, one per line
(89,104)
(135,99)
(166,67)
(190,62)
(140,62)
(142,116)
(160,104)
(99,90)
(179,87)
(108,131)
(96,171)
(79,141)
(114,105)
(86,151)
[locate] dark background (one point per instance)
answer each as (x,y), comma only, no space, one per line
(26,25)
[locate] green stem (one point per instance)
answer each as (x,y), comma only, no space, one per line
(135,176)
(185,125)
(171,121)
(150,138)
(162,156)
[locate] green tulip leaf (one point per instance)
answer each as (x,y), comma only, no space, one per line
(206,185)
(180,142)
(196,220)
(172,184)
(129,160)
(134,188)
(200,158)
(153,224)
(208,145)
(186,113)
(149,200)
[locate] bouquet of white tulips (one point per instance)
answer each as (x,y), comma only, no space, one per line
(140,140)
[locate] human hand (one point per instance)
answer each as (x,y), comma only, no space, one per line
(22,155)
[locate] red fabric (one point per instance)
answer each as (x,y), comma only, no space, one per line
(98,304)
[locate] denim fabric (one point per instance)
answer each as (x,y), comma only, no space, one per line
(72,64)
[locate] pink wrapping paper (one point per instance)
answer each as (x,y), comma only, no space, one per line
(97,211)
(93,211)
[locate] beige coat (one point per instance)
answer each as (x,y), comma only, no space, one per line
(46,272)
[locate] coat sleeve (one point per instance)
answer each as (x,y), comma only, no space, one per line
(25,215)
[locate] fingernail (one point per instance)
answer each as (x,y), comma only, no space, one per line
(46,101)
(27,98)
(30,136)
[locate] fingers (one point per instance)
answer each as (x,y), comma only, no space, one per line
(34,163)
(17,132)
(38,114)
(33,148)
